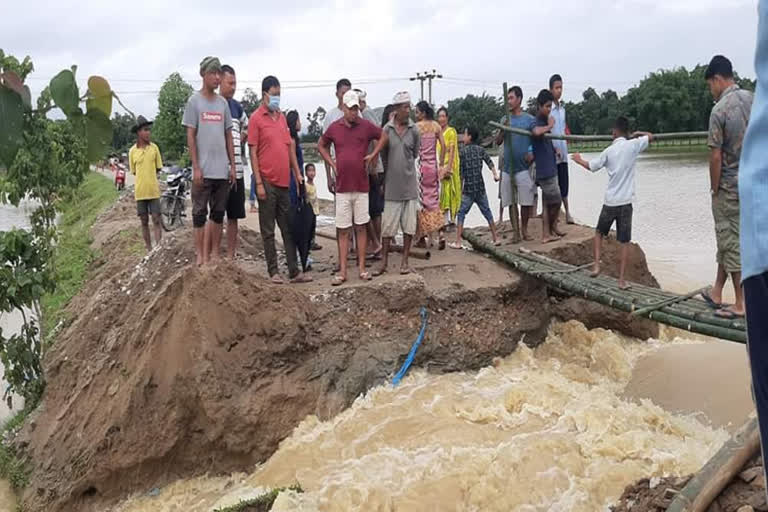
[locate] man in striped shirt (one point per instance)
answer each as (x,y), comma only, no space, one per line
(236,201)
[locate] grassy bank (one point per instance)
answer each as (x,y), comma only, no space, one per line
(73,252)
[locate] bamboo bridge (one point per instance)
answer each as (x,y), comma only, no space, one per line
(686,311)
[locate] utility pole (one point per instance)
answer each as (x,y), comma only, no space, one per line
(426,76)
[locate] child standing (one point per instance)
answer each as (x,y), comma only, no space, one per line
(619,160)
(471,158)
(309,186)
(546,168)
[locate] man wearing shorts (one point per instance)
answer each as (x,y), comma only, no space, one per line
(518,155)
(209,137)
(351,136)
(401,139)
(145,161)
(236,200)
(546,168)
(619,160)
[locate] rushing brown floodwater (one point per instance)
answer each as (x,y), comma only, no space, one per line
(543,429)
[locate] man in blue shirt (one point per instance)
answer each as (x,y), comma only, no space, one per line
(546,168)
(518,155)
(753,198)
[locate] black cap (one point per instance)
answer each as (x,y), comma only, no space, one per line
(141,122)
(719,65)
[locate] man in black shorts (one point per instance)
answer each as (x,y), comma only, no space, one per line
(619,160)
(236,200)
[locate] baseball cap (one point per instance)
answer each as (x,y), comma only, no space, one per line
(401,97)
(351,99)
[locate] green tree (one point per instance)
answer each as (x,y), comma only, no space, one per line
(250,101)
(122,134)
(44,160)
(314,125)
(168,132)
(475,111)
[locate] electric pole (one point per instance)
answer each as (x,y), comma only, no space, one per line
(426,76)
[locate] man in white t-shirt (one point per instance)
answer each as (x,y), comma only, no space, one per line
(619,160)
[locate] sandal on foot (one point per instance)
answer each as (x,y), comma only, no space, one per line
(276,279)
(337,281)
(379,272)
(302,278)
(405,271)
(710,301)
(455,245)
(366,276)
(728,314)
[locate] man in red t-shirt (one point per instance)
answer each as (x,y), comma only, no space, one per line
(351,136)
(273,157)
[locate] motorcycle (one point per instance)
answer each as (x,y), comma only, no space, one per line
(120,177)
(173,201)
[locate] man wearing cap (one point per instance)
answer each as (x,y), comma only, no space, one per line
(727,126)
(209,137)
(351,136)
(401,139)
(145,161)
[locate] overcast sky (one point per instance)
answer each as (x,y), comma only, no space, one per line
(377,44)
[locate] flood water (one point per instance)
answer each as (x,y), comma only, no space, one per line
(564,427)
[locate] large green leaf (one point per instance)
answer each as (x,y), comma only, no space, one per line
(98,133)
(11,125)
(99,95)
(64,92)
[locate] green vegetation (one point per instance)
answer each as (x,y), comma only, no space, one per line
(475,111)
(73,253)
(12,467)
(261,503)
(168,132)
(41,161)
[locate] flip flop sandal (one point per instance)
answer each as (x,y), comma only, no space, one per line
(379,272)
(455,245)
(365,276)
(338,281)
(728,314)
(276,279)
(405,271)
(710,302)
(303,278)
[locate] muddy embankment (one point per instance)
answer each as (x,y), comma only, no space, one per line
(167,371)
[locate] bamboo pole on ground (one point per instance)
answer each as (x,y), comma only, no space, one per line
(705,486)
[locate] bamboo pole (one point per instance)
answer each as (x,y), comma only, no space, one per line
(704,487)
(668,302)
(514,215)
(604,138)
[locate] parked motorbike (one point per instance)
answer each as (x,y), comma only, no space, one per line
(173,202)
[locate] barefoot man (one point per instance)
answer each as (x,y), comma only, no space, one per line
(209,137)
(145,162)
(619,160)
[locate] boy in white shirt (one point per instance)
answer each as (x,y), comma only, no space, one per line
(619,160)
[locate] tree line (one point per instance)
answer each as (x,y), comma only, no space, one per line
(668,100)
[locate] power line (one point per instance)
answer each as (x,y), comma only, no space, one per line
(421,77)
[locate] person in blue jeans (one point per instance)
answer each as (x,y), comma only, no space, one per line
(472,156)
(753,200)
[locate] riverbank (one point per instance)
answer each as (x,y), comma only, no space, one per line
(72,259)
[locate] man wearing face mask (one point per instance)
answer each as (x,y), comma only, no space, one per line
(273,157)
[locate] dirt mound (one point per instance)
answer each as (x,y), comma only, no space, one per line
(746,492)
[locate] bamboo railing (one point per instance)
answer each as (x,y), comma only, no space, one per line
(688,313)
(597,138)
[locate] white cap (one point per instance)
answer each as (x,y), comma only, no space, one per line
(351,99)
(401,97)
